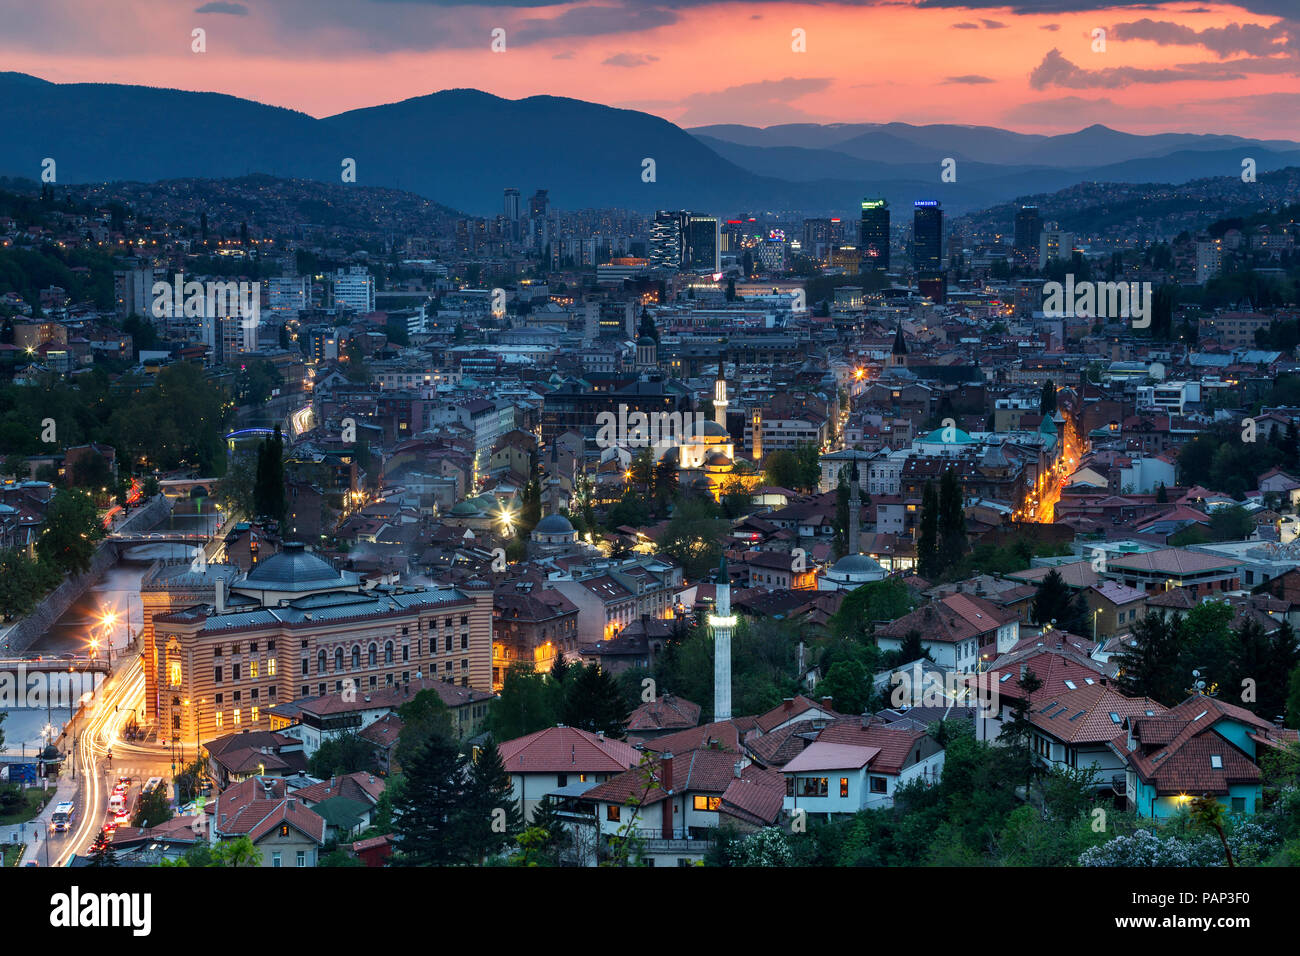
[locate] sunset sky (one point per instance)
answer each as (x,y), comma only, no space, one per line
(1166,67)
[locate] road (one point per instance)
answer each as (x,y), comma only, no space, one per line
(113,707)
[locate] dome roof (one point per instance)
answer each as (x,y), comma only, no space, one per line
(554,524)
(718,460)
(711,428)
(295,569)
(857,564)
(466,508)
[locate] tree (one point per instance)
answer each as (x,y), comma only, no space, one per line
(840,543)
(765,847)
(1018,733)
(849,686)
(423,716)
(1056,602)
(694,537)
(22,582)
(342,755)
(525,704)
(101,852)
(494,816)
(429,813)
(593,702)
(1208,812)
(665,483)
(268,486)
(927,542)
(236,853)
(1149,666)
(782,469)
(1047,401)
(72,527)
(952,521)
(152,809)
(546,817)
(1162,494)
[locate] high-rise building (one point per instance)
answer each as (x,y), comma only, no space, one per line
(703,244)
(667,238)
(133,290)
(355,289)
(1054,244)
(510,211)
(287,296)
(537,205)
(927,237)
(818,236)
(1209,258)
(1029,227)
(873,235)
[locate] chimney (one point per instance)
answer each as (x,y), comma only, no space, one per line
(828,702)
(866,720)
(221,595)
(666,762)
(739,767)
(788,704)
(1024,669)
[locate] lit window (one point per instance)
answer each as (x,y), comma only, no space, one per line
(613,812)
(218,719)
(270,667)
(236,716)
(252,669)
(253,715)
(707,803)
(174,673)
(844,786)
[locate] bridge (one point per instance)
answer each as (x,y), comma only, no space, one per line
(188,487)
(159,537)
(67,664)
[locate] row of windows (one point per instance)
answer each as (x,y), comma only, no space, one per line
(372,655)
(820,786)
(254,671)
(235,649)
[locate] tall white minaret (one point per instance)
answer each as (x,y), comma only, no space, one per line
(722,621)
(855,506)
(720,398)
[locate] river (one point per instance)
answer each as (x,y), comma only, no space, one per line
(116,592)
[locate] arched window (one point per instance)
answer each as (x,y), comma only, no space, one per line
(388,653)
(374,655)
(320,662)
(338,658)
(356,655)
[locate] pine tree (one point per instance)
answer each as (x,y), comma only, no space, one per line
(494,816)
(560,668)
(546,817)
(1056,602)
(927,543)
(1149,666)
(429,815)
(840,543)
(102,852)
(593,702)
(952,521)
(1162,494)
(1047,401)
(1018,733)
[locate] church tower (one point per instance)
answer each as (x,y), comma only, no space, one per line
(898,354)
(722,621)
(756,423)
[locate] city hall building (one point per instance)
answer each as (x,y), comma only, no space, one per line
(222,647)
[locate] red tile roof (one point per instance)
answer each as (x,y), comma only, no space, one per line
(566,750)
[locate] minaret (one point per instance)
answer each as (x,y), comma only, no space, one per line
(855,505)
(722,621)
(720,398)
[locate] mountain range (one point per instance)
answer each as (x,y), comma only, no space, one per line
(463,147)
